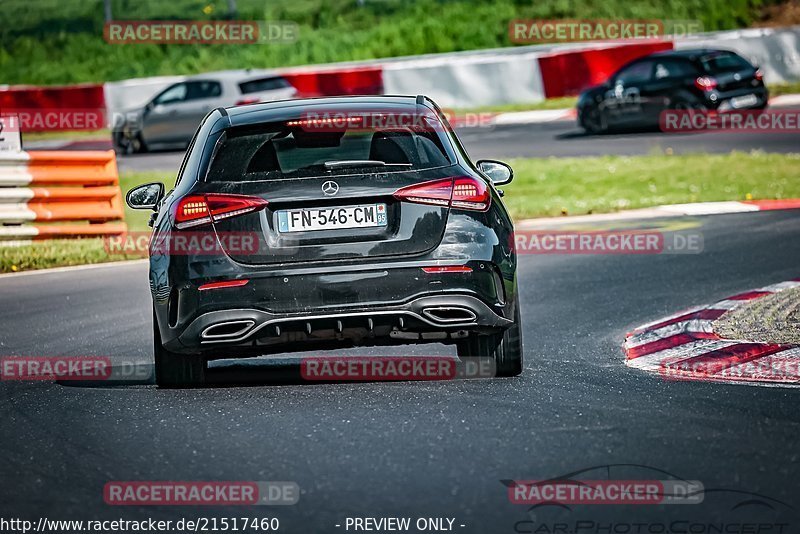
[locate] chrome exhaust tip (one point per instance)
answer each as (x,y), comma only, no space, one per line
(450,314)
(228,329)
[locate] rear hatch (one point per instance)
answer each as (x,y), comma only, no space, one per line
(732,72)
(325,196)
(363,219)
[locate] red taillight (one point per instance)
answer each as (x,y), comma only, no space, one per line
(436,192)
(463,192)
(470,194)
(759,75)
(250,100)
(196,210)
(705,83)
(224,283)
(448,269)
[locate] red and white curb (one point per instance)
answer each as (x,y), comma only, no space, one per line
(685,347)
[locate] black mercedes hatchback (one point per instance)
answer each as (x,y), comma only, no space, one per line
(692,79)
(326,223)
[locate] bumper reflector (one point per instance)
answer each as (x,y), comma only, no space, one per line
(448,269)
(224,283)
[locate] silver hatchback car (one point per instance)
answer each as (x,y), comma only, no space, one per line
(171,117)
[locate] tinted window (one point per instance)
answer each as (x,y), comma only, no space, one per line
(277,151)
(176,93)
(725,62)
(673,68)
(203,89)
(636,73)
(264,84)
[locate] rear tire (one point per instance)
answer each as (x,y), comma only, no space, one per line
(129,144)
(505,348)
(173,369)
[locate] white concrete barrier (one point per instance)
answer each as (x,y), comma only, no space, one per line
(775,50)
(468,81)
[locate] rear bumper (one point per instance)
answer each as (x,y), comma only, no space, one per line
(722,101)
(428,318)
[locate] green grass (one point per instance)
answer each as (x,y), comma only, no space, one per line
(542,187)
(784,89)
(56,253)
(56,42)
(550,103)
(545,187)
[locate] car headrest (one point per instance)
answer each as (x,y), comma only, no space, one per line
(389,147)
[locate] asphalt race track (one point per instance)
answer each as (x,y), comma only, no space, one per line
(417,449)
(564,139)
(559,139)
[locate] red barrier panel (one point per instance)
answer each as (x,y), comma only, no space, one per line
(352,81)
(568,73)
(54,102)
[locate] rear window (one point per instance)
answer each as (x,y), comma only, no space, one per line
(284,150)
(264,84)
(725,62)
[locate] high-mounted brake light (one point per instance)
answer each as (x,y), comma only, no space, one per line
(447,269)
(325,121)
(463,192)
(705,83)
(197,210)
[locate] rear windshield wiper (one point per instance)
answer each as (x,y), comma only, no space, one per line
(342,164)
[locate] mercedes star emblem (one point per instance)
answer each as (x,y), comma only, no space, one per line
(330,188)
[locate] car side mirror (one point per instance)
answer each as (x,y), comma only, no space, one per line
(497,171)
(144,197)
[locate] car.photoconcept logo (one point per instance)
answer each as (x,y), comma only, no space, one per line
(330,188)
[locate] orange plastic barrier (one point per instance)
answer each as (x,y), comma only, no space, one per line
(51,187)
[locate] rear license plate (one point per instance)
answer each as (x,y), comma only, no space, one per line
(744,101)
(306,220)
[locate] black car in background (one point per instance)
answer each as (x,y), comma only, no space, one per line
(701,79)
(366,224)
